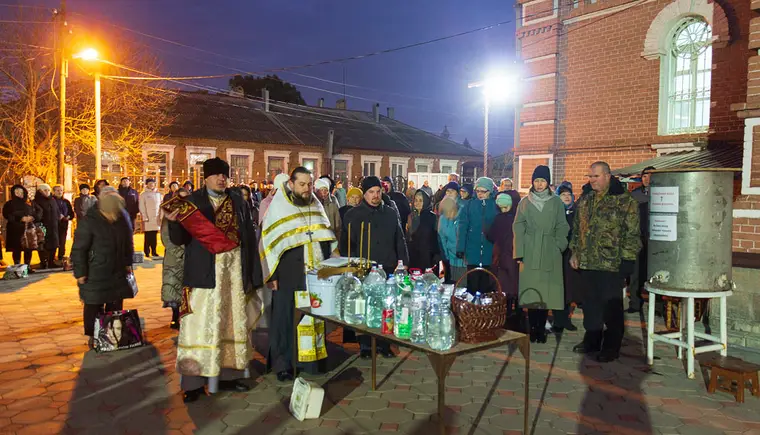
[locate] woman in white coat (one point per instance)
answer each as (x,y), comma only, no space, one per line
(150,210)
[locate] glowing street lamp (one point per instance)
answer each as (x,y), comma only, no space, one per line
(497,87)
(90,54)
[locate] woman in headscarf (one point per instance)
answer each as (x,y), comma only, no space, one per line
(561,319)
(173,188)
(102,256)
(353,198)
(421,234)
(50,218)
(504,265)
(465,192)
(448,224)
(19,213)
(540,238)
(473,247)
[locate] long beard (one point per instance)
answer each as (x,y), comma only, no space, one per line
(300,201)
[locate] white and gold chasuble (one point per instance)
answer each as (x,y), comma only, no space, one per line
(217,334)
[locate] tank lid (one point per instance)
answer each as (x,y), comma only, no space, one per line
(655,171)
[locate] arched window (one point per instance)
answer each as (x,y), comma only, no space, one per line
(686,80)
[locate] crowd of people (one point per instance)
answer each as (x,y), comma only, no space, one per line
(223,244)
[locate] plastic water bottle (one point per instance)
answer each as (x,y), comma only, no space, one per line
(403,314)
(433,293)
(354,305)
(342,287)
(400,271)
(434,321)
(419,305)
(381,271)
(448,323)
(429,278)
(389,305)
(374,288)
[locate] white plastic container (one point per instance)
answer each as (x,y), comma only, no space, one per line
(321,293)
(306,399)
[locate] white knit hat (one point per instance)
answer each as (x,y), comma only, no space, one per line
(322,183)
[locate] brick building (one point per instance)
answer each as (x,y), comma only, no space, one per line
(625,81)
(261,139)
(670,82)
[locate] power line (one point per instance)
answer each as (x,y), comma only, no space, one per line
(167,78)
(25,22)
(25,6)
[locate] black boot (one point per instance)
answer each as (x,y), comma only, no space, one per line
(175,318)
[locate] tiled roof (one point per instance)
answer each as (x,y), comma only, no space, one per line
(712,157)
(223,117)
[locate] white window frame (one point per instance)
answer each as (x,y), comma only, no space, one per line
(520,158)
(422,161)
(165,148)
(377,160)
(286,161)
(349,166)
(242,152)
(449,162)
(667,66)
(403,161)
(314,156)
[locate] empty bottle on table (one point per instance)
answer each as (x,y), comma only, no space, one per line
(374,289)
(400,271)
(389,305)
(429,278)
(381,271)
(354,305)
(435,320)
(403,313)
(419,297)
(342,287)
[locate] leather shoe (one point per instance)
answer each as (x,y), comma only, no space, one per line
(605,357)
(571,327)
(365,354)
(582,349)
(632,310)
(236,386)
(193,395)
(387,353)
(285,376)
(174,325)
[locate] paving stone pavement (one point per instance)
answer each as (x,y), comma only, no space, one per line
(50,383)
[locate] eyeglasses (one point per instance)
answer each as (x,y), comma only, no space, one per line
(481,191)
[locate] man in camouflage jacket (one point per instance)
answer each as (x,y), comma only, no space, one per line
(605,244)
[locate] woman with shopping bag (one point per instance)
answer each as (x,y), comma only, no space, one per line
(102,256)
(20,232)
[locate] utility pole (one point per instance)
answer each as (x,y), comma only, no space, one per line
(64,66)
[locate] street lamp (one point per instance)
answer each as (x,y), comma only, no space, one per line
(497,87)
(90,54)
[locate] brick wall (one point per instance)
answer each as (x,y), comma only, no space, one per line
(573,166)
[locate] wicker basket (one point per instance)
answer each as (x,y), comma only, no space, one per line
(480,323)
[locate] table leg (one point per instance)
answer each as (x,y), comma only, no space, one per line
(441,364)
(650,329)
(374,363)
(681,325)
(690,337)
(723,330)
(525,351)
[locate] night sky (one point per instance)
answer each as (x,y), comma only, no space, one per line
(427,85)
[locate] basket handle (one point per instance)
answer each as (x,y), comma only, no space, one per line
(481,269)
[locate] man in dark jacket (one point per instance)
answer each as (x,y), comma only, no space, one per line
(402,203)
(605,243)
(131,199)
(639,275)
(67,214)
(221,271)
(387,241)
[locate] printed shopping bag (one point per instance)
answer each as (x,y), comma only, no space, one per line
(311,340)
(118,330)
(29,238)
(16,271)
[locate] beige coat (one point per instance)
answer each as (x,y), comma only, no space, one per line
(333,214)
(150,210)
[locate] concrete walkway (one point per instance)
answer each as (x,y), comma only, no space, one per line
(50,383)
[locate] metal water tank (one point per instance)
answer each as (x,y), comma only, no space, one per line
(690,223)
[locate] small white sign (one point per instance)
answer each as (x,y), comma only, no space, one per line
(663,199)
(663,227)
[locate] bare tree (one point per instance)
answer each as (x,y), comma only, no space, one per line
(131,113)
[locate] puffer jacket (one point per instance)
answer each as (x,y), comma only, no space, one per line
(475,220)
(447,236)
(606,230)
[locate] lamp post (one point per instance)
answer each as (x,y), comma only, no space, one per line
(499,88)
(91,54)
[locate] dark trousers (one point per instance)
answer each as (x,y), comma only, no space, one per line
(603,306)
(281,333)
(27,257)
(562,317)
(151,243)
(63,229)
(638,278)
(537,319)
(479,281)
(91,312)
(47,258)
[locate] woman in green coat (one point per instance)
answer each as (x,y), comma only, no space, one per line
(540,238)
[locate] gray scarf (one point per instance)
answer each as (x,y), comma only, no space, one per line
(539,199)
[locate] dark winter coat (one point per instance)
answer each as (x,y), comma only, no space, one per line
(131,201)
(606,229)
(65,208)
(422,242)
(82,203)
(50,218)
(501,235)
(402,202)
(102,252)
(641,195)
(573,290)
(13,211)
(387,245)
(475,220)
(200,270)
